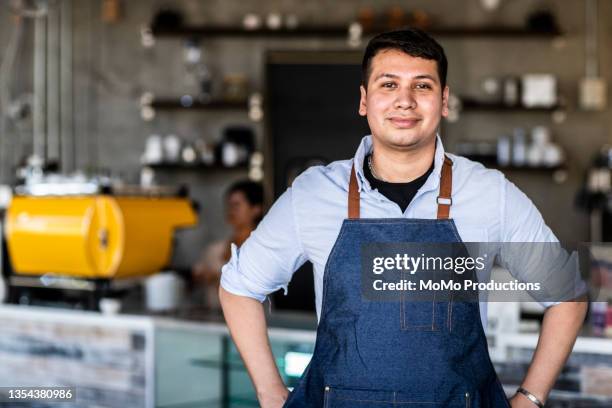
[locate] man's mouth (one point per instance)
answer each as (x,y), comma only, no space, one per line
(403,122)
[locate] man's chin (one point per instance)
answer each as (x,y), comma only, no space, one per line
(406,142)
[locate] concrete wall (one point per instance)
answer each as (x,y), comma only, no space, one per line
(112,69)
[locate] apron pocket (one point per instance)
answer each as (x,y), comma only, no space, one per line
(425,310)
(417,315)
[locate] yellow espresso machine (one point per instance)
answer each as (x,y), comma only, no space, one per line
(125,235)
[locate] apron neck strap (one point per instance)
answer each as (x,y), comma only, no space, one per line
(446,188)
(353,196)
(444,199)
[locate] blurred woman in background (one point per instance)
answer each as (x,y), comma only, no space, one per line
(243,211)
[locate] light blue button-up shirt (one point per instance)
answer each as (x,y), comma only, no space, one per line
(304,222)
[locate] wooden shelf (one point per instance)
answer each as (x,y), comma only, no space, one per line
(238,31)
(498,107)
(175,104)
(342,31)
(195,167)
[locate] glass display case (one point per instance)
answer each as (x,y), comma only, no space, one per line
(291,357)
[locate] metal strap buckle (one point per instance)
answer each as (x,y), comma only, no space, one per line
(445,201)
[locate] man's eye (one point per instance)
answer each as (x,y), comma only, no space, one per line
(388,85)
(423,86)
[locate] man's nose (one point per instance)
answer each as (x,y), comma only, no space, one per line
(405,99)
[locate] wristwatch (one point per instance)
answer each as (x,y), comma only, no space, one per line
(530,397)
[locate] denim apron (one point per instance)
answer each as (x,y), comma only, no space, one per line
(395,354)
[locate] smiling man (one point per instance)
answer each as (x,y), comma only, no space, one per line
(401,186)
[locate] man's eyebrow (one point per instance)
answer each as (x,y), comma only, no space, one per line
(393,76)
(425,76)
(386,75)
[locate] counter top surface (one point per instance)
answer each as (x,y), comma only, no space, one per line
(297,326)
(301,326)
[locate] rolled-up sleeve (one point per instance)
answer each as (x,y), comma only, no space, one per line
(521,220)
(530,250)
(267,260)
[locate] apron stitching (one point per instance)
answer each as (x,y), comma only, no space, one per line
(449,315)
(383,221)
(386,402)
(454,229)
(448,312)
(325,271)
(402,311)
(433,314)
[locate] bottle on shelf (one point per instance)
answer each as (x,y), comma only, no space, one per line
(504,152)
(519,147)
(540,138)
(512,91)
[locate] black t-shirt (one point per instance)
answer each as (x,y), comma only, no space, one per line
(400,193)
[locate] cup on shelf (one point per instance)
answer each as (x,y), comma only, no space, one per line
(172,148)
(274,21)
(188,154)
(154,151)
(251,21)
(553,155)
(233,154)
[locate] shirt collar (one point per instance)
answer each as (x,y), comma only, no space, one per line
(365,148)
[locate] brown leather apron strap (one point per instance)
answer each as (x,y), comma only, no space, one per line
(444,198)
(353,196)
(446,188)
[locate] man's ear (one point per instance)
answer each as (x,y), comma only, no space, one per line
(445,94)
(362,101)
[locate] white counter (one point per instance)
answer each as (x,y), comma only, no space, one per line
(150,361)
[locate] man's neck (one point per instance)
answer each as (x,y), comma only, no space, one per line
(402,166)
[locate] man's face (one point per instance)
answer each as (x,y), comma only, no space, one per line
(404,100)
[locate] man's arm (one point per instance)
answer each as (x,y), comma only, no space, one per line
(522,222)
(264,264)
(246,320)
(560,328)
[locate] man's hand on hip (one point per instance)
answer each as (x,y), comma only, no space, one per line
(274,398)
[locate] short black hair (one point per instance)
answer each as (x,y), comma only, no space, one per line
(411,41)
(252,191)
